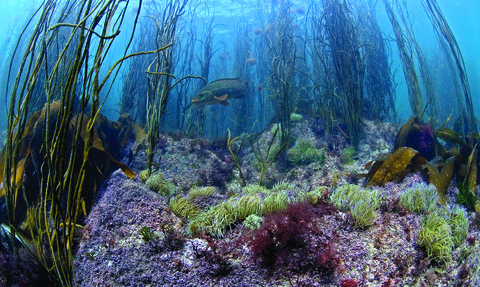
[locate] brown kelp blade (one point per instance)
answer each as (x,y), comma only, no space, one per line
(450,136)
(129,129)
(471,178)
(18,175)
(374,166)
(2,169)
(401,137)
(31,123)
(128,172)
(380,160)
(98,145)
(393,168)
(442,179)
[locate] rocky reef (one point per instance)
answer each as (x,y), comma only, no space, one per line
(308,226)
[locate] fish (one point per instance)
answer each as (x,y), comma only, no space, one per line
(220,91)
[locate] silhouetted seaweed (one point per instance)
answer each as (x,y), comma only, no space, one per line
(66,136)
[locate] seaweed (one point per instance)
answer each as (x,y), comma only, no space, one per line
(275,201)
(305,153)
(450,136)
(159,79)
(433,159)
(253,222)
(184,207)
(235,155)
(459,224)
(243,206)
(214,221)
(147,233)
(411,78)
(420,137)
(265,159)
(419,198)
(392,168)
(443,31)
(161,185)
(62,70)
(287,242)
(441,179)
(282,53)
(349,70)
(362,203)
(466,197)
(436,237)
(201,191)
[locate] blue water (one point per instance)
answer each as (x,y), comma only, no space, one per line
(461,15)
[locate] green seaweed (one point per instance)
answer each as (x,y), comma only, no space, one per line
(256,201)
(275,201)
(466,197)
(317,192)
(161,185)
(184,207)
(214,221)
(201,191)
(283,186)
(295,118)
(265,159)
(348,155)
(459,225)
(243,206)
(304,153)
(144,175)
(443,230)
(340,197)
(147,233)
(365,205)
(362,203)
(436,237)
(253,221)
(419,198)
(254,189)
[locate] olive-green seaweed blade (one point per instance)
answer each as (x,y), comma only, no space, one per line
(393,167)
(442,179)
(450,136)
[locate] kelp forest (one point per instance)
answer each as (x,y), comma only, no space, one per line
(276,98)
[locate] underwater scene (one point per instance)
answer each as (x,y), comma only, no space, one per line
(239,143)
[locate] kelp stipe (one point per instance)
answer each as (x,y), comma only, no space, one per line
(72,85)
(445,35)
(349,70)
(159,80)
(411,78)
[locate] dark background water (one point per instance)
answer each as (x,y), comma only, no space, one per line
(237,17)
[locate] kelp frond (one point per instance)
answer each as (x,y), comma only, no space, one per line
(57,67)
